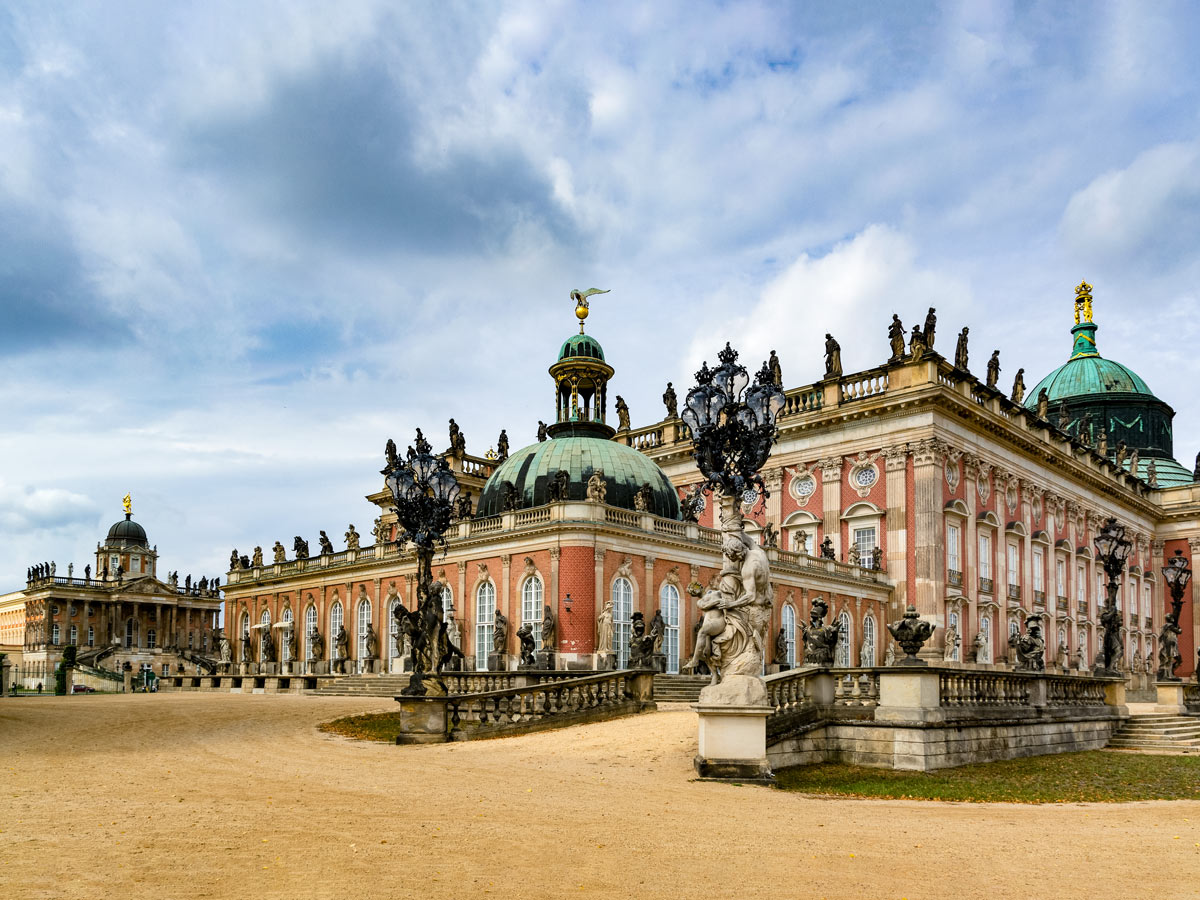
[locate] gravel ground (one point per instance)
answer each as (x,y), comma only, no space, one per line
(171,796)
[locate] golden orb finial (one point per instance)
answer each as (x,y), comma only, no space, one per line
(127,502)
(1083,302)
(581,303)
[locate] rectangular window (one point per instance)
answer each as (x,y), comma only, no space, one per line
(1014,566)
(1060,577)
(1101,596)
(1148,598)
(864,540)
(1039,569)
(953,553)
(985,556)
(1081,584)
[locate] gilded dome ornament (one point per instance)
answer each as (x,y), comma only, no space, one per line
(581,303)
(1083,302)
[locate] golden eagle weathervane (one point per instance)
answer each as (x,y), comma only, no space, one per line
(581,303)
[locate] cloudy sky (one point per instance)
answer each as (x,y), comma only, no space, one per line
(242,244)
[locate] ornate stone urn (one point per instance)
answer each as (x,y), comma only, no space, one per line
(911,633)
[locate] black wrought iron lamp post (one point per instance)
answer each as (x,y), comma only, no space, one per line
(424,491)
(1177,575)
(1112,549)
(733,425)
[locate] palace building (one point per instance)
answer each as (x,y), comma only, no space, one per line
(119,612)
(910,483)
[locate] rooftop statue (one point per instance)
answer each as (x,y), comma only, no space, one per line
(896,339)
(930,327)
(326,544)
(1043,405)
(833,357)
(502,445)
(280,552)
(622,414)
(352,538)
(543,431)
(557,487)
(916,345)
(671,402)
(993,369)
(960,350)
(580,299)
(597,487)
(1018,388)
(257,559)
(300,546)
(454,432)
(1102,442)
(1083,303)
(776,371)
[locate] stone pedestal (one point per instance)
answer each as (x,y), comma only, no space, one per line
(422,720)
(497,662)
(733,743)
(909,695)
(368,666)
(658,662)
(606,662)
(5,669)
(128,680)
(69,680)
(1114,695)
(1170,698)
(547,660)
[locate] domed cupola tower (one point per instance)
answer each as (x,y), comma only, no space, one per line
(580,442)
(1108,404)
(127,547)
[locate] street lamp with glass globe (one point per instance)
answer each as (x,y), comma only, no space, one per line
(424,492)
(1177,576)
(1112,549)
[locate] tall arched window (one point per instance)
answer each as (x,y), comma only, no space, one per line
(91,636)
(336,621)
(952,622)
(395,643)
(151,637)
(130,633)
(985,650)
(54,635)
(363,623)
(485,622)
(867,656)
(622,598)
(669,598)
(75,634)
(447,600)
(285,636)
(842,654)
(264,634)
(532,594)
(310,624)
(789,633)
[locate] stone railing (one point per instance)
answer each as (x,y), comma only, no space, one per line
(646,439)
(983,689)
(476,466)
(856,688)
(794,697)
(478,682)
(666,526)
(1068,691)
(864,384)
(517,710)
(486,525)
(802,400)
(622,517)
(535,516)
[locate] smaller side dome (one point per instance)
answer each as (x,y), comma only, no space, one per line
(581,345)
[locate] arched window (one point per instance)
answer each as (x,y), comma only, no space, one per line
(336,621)
(841,657)
(985,651)
(264,634)
(447,600)
(622,599)
(867,656)
(151,637)
(395,642)
(364,622)
(669,598)
(285,636)
(952,622)
(310,624)
(532,593)
(75,634)
(485,622)
(789,633)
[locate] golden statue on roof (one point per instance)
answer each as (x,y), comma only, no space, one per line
(1083,302)
(581,303)
(127,502)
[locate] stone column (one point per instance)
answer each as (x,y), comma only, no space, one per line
(831,504)
(650,599)
(514,622)
(928,463)
(555,593)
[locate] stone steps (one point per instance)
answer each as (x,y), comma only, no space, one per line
(678,688)
(1158,732)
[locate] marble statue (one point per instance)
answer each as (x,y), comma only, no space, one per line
(801,541)
(911,633)
(770,535)
(326,544)
(671,402)
(1102,442)
(781,642)
(820,640)
(1169,657)
(774,368)
(372,643)
(1030,647)
(916,344)
(71,568)
(1018,388)
(854,556)
(502,445)
(737,614)
(960,350)
(889,658)
(930,327)
(499,633)
(1063,658)
(642,498)
(597,487)
(352,538)
(622,414)
(280,553)
(1152,474)
(833,357)
(977,653)
(658,630)
(453,629)
(1043,405)
(226,650)
(993,369)
(341,649)
(300,546)
(527,644)
(866,654)
(604,629)
(952,643)
(1121,451)
(1080,661)
(543,431)
(896,338)
(549,629)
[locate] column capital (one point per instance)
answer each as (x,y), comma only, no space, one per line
(895,457)
(931,451)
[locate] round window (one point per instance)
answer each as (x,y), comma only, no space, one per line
(804,487)
(865,477)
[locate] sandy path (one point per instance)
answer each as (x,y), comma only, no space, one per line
(201,795)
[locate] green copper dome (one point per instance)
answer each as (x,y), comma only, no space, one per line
(532,469)
(581,345)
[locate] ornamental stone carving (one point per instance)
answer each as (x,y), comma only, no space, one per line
(931,451)
(831,468)
(895,457)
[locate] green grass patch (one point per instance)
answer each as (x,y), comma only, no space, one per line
(370,727)
(1089,777)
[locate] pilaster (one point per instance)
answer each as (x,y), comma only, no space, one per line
(896,489)
(831,503)
(928,461)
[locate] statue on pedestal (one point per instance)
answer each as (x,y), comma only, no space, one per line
(557,488)
(781,643)
(280,553)
(604,629)
(502,445)
(372,643)
(930,327)
(341,649)
(352,538)
(1018,388)
(549,630)
(1030,647)
(499,633)
(543,431)
(833,357)
(950,651)
(326,544)
(916,344)
(775,370)
(671,402)
(896,339)
(1043,405)
(960,350)
(257,560)
(300,547)
(622,414)
(820,640)
(525,637)
(597,487)
(1169,657)
(1063,659)
(658,630)
(993,369)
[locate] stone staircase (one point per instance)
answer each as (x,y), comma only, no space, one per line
(678,688)
(1158,732)
(362,686)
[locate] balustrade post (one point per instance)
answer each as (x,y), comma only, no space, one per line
(1170,698)
(422,720)
(1037,692)
(910,695)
